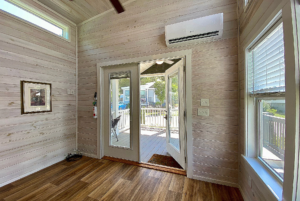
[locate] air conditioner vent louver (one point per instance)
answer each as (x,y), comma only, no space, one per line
(203,29)
(194,37)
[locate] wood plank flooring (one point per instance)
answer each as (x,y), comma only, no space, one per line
(92,179)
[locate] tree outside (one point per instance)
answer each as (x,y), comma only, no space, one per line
(160,87)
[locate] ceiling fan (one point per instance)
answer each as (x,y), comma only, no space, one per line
(117,5)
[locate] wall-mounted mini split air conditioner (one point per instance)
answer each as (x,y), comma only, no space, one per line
(195,31)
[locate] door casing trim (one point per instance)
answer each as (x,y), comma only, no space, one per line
(187,54)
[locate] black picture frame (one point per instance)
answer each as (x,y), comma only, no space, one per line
(23,96)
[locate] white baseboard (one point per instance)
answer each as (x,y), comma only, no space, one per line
(89,155)
(29,173)
(243,194)
(215,181)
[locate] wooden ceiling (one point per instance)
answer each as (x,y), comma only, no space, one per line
(79,10)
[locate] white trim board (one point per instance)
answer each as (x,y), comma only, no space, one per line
(89,155)
(215,181)
(59,159)
(243,193)
(187,54)
(76,89)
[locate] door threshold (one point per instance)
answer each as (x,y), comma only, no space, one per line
(148,165)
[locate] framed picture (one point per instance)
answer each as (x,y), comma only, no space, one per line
(35,97)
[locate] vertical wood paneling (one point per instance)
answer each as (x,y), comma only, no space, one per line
(34,141)
(139,31)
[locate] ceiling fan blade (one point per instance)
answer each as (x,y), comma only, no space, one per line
(169,61)
(118,6)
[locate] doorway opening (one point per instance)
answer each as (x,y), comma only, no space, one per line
(132,114)
(160,112)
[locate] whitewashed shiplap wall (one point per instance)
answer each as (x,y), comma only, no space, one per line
(139,31)
(34,141)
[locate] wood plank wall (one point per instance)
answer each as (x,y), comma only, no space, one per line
(246,23)
(139,31)
(34,141)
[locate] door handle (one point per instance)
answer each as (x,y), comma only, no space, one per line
(166,117)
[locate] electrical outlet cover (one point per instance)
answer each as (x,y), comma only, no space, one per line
(204,102)
(203,112)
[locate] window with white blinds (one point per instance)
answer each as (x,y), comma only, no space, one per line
(265,62)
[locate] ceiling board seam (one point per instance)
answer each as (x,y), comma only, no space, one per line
(104,13)
(36,1)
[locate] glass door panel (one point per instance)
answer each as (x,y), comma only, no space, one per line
(173,108)
(119,94)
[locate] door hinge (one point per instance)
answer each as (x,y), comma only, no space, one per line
(184,113)
(185,159)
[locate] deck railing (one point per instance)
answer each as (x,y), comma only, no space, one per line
(274,134)
(125,119)
(153,117)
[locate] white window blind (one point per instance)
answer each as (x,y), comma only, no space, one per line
(266,67)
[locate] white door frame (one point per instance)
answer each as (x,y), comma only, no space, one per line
(187,54)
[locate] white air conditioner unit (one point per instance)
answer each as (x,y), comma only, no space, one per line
(194,31)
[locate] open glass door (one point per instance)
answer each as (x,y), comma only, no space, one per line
(121,112)
(175,105)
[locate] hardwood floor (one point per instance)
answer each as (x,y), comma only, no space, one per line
(149,166)
(92,179)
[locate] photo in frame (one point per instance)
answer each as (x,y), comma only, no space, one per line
(35,97)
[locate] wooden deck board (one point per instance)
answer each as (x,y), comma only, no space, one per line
(153,141)
(115,181)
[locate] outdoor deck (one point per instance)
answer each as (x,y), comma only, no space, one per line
(153,141)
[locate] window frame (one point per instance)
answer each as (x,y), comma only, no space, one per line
(253,144)
(39,14)
(258,131)
(266,182)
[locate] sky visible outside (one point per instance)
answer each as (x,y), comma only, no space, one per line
(25,15)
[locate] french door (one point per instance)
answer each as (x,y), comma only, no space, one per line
(120,115)
(175,105)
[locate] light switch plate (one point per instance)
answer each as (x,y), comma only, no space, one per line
(203,112)
(204,102)
(70,91)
